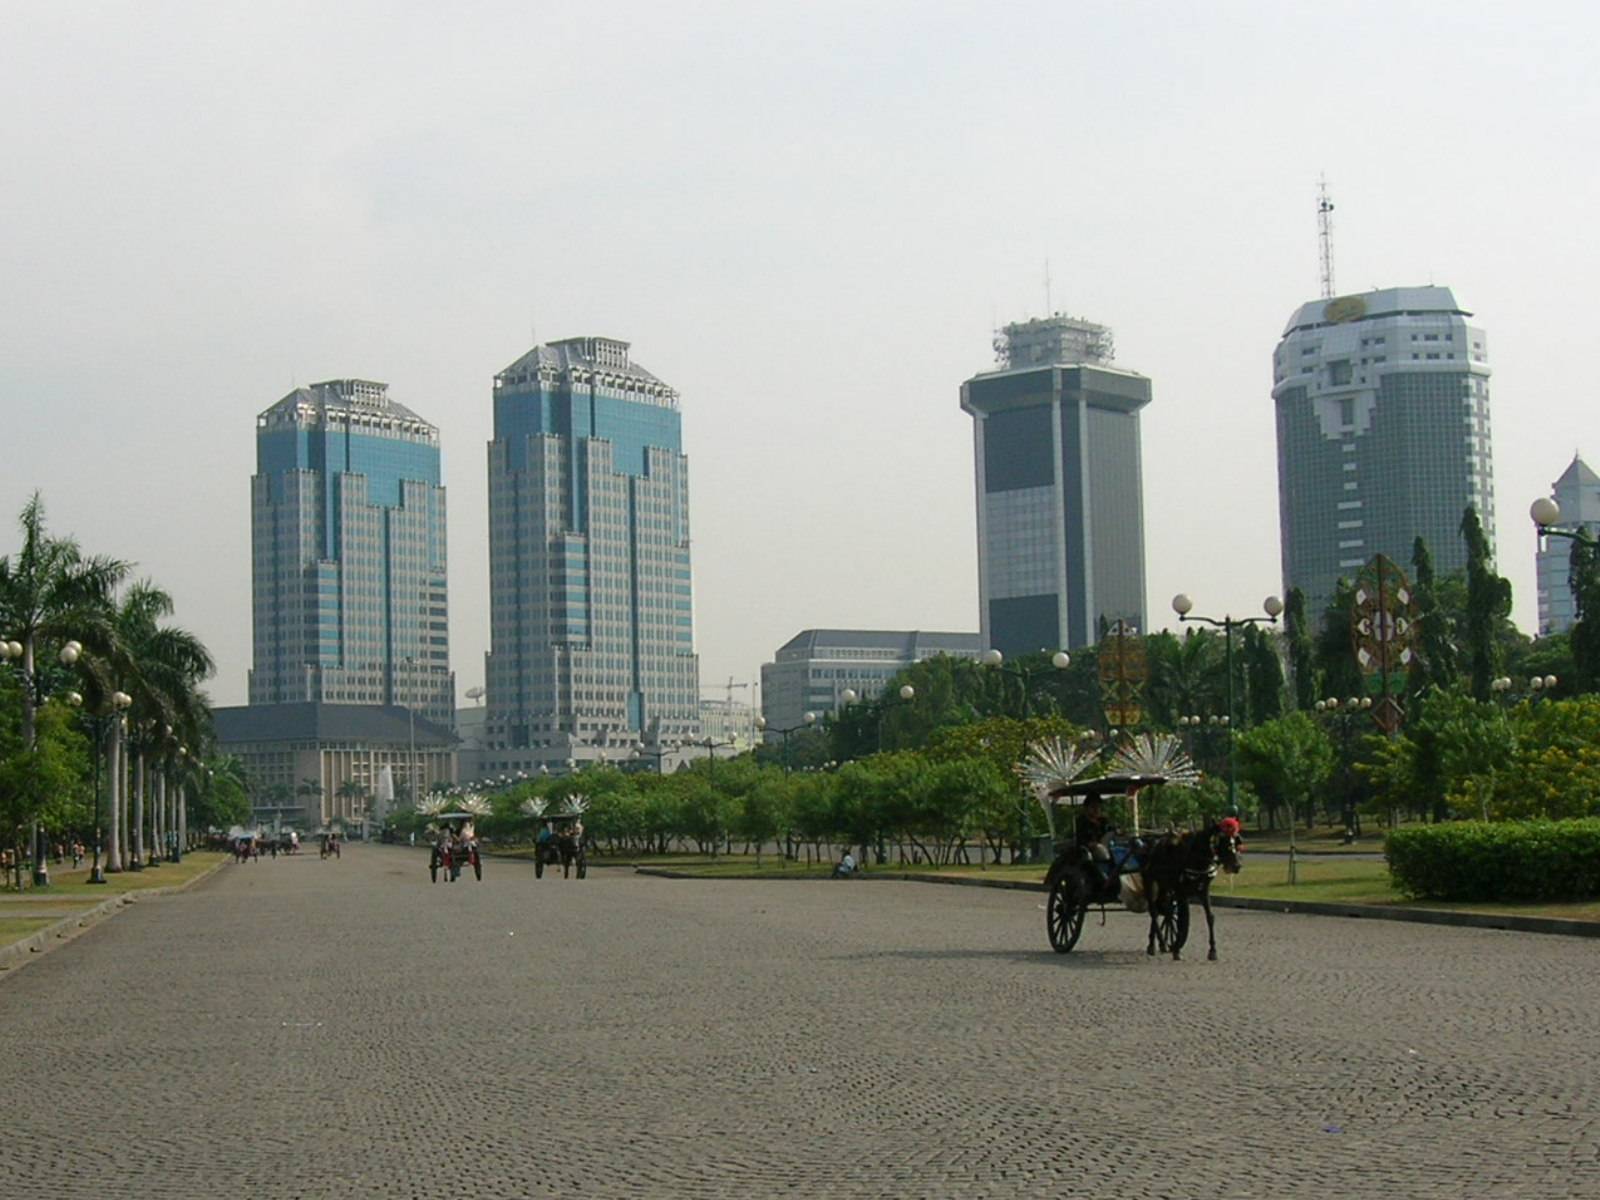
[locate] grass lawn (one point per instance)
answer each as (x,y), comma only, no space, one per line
(70,883)
(14,929)
(1326,880)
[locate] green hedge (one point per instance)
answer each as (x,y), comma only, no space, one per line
(1497,861)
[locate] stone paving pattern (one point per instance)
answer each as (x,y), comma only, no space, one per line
(301,1028)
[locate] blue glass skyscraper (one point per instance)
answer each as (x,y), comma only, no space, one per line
(348,553)
(590,610)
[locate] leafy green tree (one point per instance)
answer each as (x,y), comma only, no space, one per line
(1433,663)
(812,809)
(44,781)
(762,811)
(1488,606)
(1288,761)
(223,800)
(1556,771)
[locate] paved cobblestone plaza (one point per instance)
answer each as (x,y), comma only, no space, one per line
(300,1028)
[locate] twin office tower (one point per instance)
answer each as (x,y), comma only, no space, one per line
(1382,413)
(591,626)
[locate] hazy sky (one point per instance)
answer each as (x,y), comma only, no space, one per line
(808,218)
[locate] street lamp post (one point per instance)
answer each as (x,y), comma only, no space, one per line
(907,694)
(994,660)
(808,720)
(1345,713)
(1539,686)
(1546,514)
(1273,607)
(711,746)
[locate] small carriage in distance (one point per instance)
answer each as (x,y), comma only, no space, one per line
(455,847)
(1078,881)
(560,840)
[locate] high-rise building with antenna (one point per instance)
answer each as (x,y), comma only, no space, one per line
(1059,487)
(1382,403)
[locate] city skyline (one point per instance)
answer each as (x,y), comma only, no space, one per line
(800,219)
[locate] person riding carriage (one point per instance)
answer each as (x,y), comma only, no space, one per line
(561,838)
(455,846)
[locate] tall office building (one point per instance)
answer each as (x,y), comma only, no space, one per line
(348,553)
(1060,491)
(590,617)
(1578,494)
(1383,434)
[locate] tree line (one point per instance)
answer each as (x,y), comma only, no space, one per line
(100,696)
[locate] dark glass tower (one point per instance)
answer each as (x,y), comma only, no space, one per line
(590,609)
(1060,491)
(348,553)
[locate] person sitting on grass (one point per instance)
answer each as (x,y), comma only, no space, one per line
(845,867)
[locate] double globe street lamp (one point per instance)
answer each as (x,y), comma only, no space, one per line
(1273,608)
(806,722)
(994,660)
(907,694)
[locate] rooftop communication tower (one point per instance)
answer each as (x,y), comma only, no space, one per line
(1325,236)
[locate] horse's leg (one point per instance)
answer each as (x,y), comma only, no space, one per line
(1211,924)
(1179,899)
(1151,888)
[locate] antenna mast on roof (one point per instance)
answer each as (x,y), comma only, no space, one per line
(1325,235)
(1047,309)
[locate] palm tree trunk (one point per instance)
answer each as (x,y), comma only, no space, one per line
(159,815)
(113,839)
(136,824)
(183,818)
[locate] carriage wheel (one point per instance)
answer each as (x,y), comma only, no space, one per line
(1172,924)
(538,867)
(1065,911)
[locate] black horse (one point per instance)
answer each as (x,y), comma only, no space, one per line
(1179,869)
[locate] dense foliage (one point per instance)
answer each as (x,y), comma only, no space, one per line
(1497,861)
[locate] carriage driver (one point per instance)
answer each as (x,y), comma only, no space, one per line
(1090,832)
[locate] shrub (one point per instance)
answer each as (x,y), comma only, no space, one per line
(1497,860)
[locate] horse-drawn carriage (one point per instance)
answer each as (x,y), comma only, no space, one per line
(455,847)
(560,840)
(1160,875)
(1095,873)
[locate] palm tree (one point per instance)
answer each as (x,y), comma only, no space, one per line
(163,666)
(51,595)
